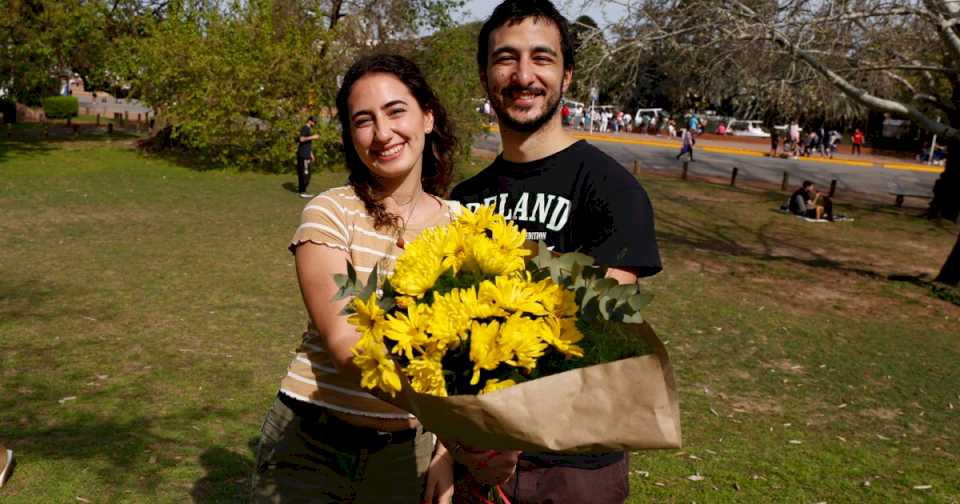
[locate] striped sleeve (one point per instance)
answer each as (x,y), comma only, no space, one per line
(324,222)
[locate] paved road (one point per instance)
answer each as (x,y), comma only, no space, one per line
(873,178)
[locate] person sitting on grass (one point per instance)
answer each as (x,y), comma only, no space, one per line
(803,202)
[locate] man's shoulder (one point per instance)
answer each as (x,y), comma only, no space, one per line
(475,183)
(596,159)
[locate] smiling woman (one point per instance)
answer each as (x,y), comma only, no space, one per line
(325,439)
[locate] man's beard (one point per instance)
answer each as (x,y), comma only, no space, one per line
(528,125)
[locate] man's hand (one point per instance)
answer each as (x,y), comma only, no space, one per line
(439,486)
(489,467)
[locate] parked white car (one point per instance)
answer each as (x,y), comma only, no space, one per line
(747,128)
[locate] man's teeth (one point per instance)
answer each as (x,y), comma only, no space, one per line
(391,151)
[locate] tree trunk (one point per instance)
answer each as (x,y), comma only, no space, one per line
(950,272)
(946,190)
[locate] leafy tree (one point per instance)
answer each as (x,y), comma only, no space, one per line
(235,81)
(836,57)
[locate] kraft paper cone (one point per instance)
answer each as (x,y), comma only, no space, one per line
(630,404)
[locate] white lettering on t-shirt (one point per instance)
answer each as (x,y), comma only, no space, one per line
(520,209)
(549,210)
(541,207)
(561,213)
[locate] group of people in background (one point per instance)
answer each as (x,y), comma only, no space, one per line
(824,142)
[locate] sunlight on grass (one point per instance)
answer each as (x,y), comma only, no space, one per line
(148,312)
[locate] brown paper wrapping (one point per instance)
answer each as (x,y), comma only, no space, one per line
(630,404)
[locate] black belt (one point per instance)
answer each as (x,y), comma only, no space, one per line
(340,430)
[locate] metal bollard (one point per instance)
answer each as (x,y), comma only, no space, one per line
(684,174)
(786,181)
(636,167)
(733,177)
(833,187)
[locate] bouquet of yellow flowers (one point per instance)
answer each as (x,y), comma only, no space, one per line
(471,309)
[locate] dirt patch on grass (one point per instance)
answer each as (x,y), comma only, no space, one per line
(756,404)
(784,366)
(882,413)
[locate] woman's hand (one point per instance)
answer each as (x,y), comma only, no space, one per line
(439,486)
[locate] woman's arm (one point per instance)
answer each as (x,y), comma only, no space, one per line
(316,265)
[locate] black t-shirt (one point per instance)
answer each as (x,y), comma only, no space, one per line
(304,148)
(798,202)
(578,199)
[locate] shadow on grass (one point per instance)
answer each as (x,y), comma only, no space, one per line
(726,235)
(46,301)
(124,451)
(289,186)
(18,147)
(228,475)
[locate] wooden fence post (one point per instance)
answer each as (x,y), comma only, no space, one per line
(833,187)
(98,118)
(110,128)
(684,174)
(785,182)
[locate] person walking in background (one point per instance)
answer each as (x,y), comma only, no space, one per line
(305,156)
(565,114)
(857,141)
(6,464)
(774,142)
(687,142)
(795,139)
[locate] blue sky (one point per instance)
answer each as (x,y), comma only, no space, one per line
(600,11)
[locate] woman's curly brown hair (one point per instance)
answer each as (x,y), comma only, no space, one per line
(439,147)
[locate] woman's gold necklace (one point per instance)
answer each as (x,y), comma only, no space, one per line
(416,197)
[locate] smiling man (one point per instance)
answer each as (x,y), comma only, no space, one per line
(562,191)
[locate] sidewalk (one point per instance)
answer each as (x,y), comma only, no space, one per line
(742,147)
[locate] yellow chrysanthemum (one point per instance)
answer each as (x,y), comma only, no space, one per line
(564,335)
(426,377)
(449,320)
(494,385)
(489,258)
(510,239)
(408,329)
(479,307)
(485,352)
(522,340)
(557,300)
(377,369)
(513,294)
(367,313)
(454,249)
(477,222)
(420,264)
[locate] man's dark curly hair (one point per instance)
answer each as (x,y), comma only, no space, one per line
(439,147)
(511,12)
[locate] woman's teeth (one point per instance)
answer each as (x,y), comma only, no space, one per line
(391,151)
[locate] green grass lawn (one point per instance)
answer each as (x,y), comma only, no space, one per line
(148,312)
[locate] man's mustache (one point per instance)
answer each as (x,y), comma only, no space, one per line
(534,90)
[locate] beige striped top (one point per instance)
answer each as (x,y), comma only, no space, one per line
(337,219)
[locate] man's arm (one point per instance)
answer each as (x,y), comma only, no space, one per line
(623,275)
